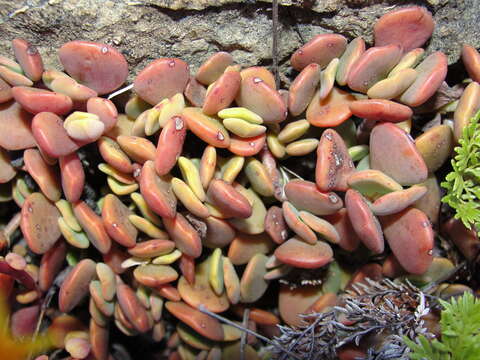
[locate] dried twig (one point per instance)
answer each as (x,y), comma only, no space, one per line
(272,343)
(392,309)
(243,338)
(284,170)
(46,302)
(275,41)
(120,91)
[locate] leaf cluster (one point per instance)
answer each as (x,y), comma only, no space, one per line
(460,333)
(463,182)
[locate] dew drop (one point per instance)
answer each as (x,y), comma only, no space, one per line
(425,224)
(178,123)
(220,136)
(430,252)
(115,225)
(284,234)
(300,52)
(136,173)
(104,50)
(338,159)
(333,198)
(328,136)
(171,63)
(365,83)
(257,80)
(252,144)
(30,209)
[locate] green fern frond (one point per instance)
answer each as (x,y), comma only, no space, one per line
(425,349)
(463,182)
(460,333)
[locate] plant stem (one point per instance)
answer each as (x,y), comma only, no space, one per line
(275,41)
(204,310)
(243,339)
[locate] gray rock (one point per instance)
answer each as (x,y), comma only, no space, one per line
(194,29)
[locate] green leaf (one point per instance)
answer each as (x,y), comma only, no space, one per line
(437,345)
(460,333)
(426,350)
(463,182)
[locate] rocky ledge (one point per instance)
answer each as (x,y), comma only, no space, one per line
(194,29)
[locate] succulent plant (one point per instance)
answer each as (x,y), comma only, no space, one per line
(209,213)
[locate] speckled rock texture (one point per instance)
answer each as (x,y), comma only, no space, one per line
(193,29)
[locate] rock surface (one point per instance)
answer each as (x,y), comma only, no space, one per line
(193,29)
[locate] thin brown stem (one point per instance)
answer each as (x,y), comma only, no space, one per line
(46,302)
(204,310)
(275,41)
